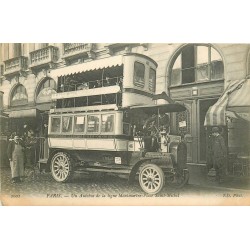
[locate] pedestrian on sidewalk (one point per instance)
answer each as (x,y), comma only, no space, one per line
(30,143)
(15,154)
(219,154)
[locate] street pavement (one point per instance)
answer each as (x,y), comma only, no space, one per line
(42,184)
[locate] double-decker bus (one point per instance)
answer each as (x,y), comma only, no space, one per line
(106,121)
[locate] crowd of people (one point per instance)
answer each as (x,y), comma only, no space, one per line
(22,155)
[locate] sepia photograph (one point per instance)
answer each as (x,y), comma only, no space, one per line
(125,123)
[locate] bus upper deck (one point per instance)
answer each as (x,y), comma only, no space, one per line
(123,81)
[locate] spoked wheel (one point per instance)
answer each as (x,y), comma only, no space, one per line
(177,179)
(61,167)
(151,179)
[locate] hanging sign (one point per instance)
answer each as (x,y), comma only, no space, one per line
(182,124)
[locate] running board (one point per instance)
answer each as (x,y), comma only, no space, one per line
(103,170)
(43,161)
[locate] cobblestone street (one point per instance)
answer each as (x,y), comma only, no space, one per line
(43,185)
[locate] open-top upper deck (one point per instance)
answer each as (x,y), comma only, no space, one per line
(121,81)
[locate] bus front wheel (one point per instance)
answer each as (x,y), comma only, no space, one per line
(151,179)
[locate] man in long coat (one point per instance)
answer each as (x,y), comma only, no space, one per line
(15,153)
(218,153)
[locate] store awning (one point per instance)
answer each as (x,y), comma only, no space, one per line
(87,66)
(234,94)
(23,113)
(239,112)
(241,97)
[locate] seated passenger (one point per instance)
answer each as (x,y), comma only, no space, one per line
(83,86)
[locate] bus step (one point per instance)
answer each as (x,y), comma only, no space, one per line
(43,161)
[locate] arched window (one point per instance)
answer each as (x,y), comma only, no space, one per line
(45,91)
(196,63)
(19,96)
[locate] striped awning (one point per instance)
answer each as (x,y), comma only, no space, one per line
(87,66)
(216,114)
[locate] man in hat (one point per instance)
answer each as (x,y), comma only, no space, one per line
(218,153)
(155,125)
(157,122)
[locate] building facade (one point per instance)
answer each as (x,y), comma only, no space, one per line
(195,74)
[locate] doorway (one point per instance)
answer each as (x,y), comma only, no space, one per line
(204,105)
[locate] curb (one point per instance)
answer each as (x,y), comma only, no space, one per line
(220,188)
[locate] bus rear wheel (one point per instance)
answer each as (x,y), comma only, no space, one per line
(61,167)
(151,179)
(177,179)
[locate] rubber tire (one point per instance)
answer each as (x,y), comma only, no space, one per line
(178,185)
(161,178)
(70,172)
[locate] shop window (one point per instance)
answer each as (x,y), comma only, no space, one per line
(19,96)
(67,124)
(152,80)
(187,64)
(217,67)
(55,124)
(46,89)
(107,123)
(79,124)
(139,74)
(202,63)
(197,63)
(93,123)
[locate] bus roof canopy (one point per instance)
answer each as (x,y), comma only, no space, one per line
(163,108)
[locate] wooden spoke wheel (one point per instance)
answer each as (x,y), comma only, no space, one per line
(61,167)
(151,179)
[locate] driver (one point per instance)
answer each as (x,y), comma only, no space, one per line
(157,123)
(154,125)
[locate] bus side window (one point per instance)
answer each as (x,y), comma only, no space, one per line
(79,124)
(55,124)
(107,123)
(67,124)
(93,123)
(139,74)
